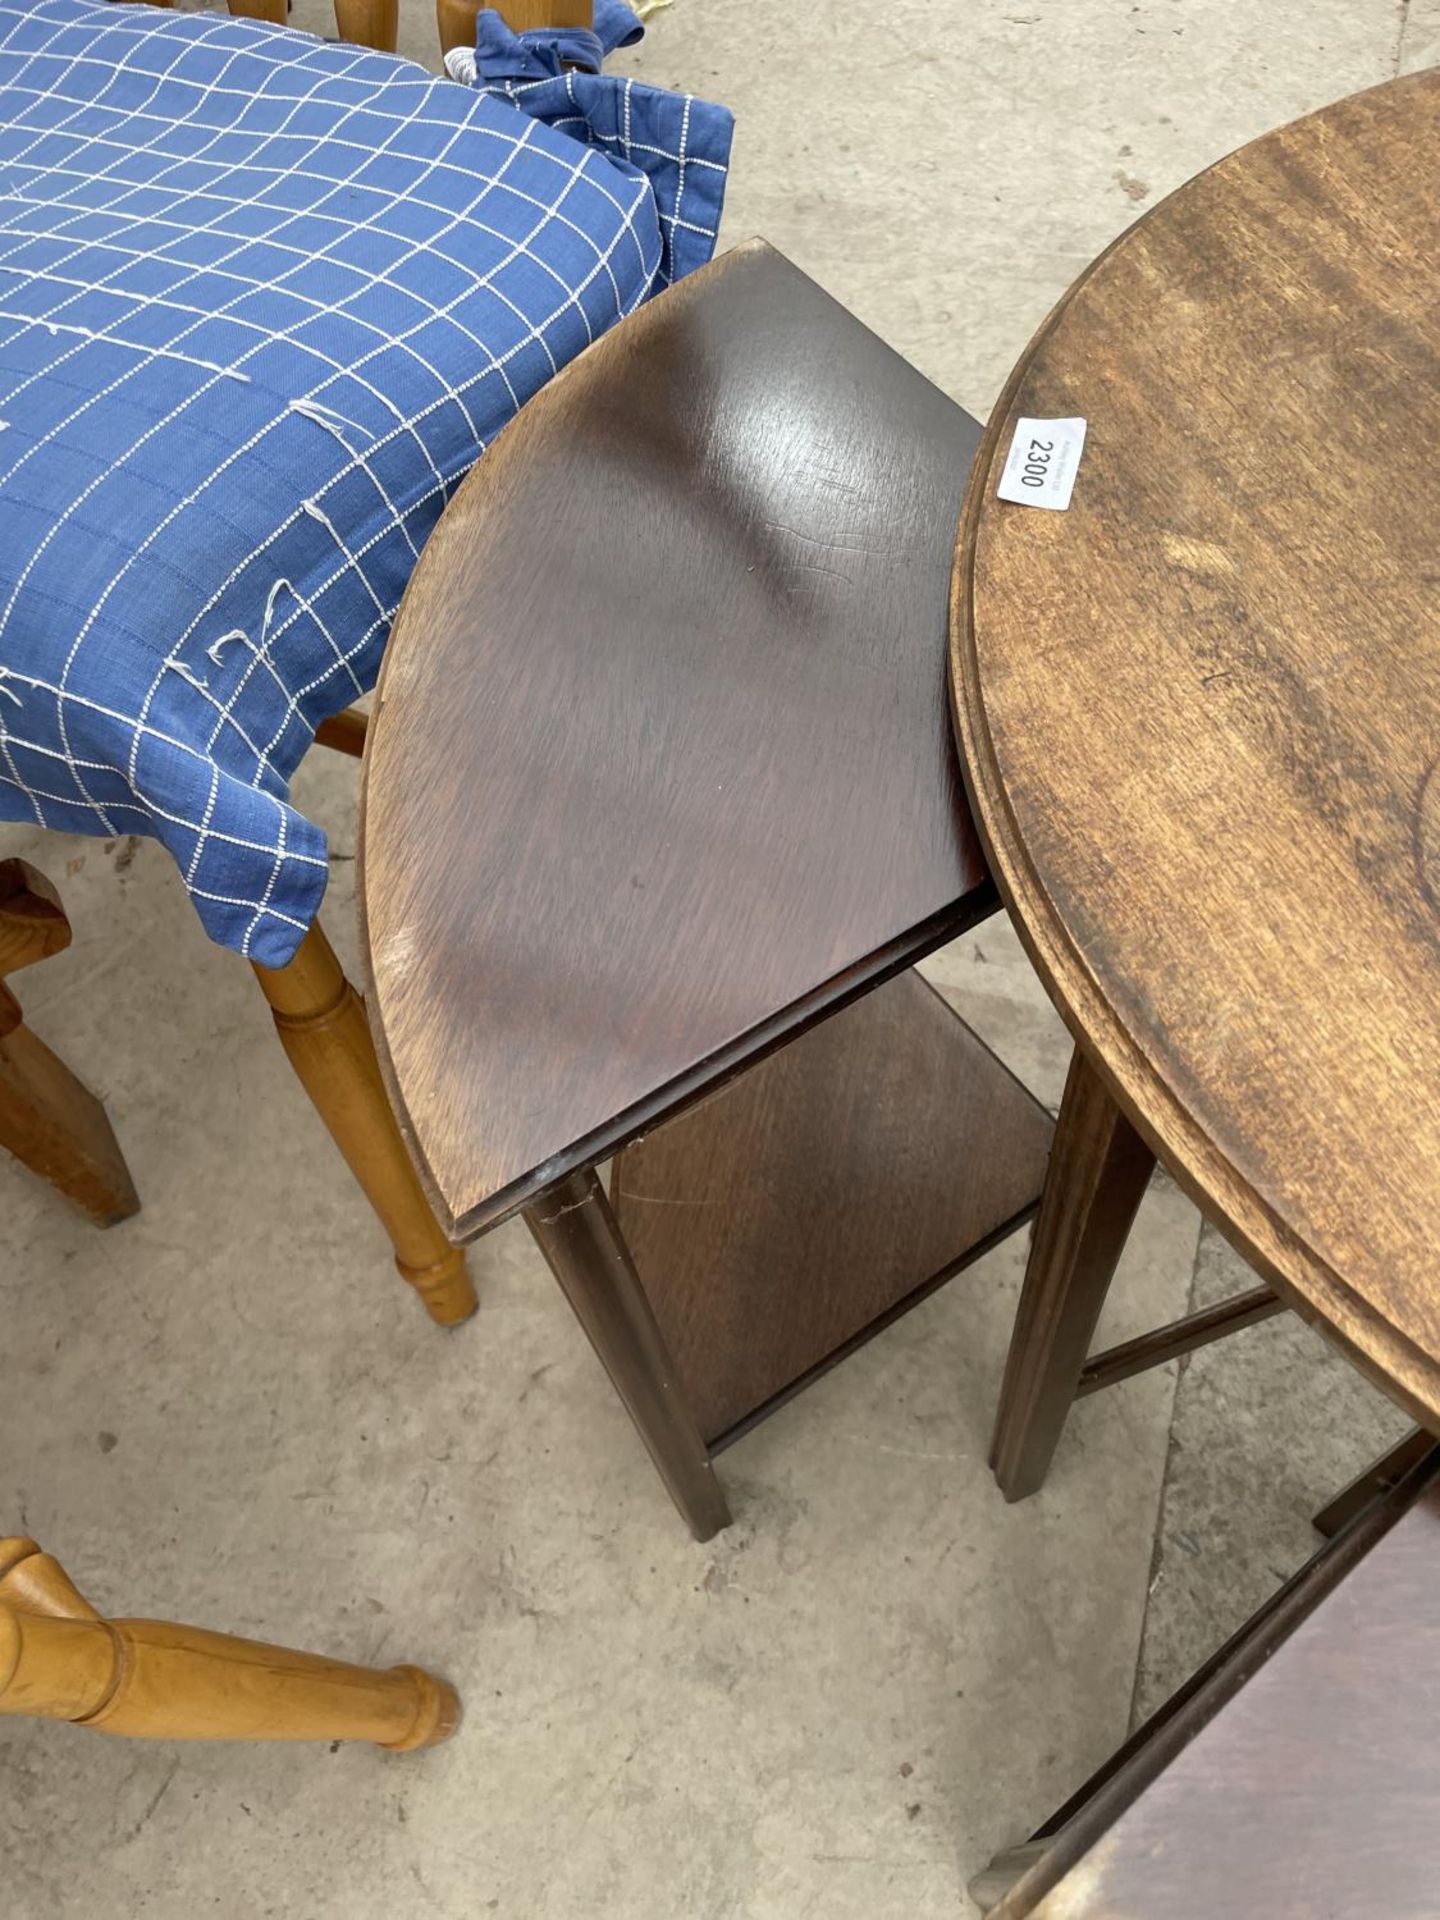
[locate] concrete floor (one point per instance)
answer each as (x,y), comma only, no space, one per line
(230,1411)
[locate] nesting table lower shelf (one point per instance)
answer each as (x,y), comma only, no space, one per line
(790,1215)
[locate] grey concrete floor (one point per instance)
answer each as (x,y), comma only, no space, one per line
(230,1411)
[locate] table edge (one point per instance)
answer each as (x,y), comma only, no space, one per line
(1308,1283)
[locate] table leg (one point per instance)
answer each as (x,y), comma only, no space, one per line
(1099,1169)
(322,1026)
(578,1235)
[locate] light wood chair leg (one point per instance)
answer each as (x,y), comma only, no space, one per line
(344,732)
(274,11)
(455,21)
(1099,1169)
(321,1022)
(580,1238)
(456,18)
(48,1119)
(369,23)
(59,1660)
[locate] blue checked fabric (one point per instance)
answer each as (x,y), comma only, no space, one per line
(263,302)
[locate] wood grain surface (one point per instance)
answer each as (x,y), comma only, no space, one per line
(1305,1790)
(805,1205)
(1201,709)
(661,768)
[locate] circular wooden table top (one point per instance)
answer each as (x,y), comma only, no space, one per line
(1201,708)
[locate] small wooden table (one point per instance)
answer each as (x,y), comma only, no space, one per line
(661,780)
(1200,711)
(1295,1775)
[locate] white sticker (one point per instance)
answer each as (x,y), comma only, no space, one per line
(1041,465)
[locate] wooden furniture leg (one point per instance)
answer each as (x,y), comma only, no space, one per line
(47,1118)
(322,1026)
(456,18)
(1099,1168)
(577,1233)
(59,1660)
(272,10)
(344,732)
(369,23)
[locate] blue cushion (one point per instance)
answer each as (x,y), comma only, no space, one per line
(263,300)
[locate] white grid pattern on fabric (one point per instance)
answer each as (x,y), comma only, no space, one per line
(263,301)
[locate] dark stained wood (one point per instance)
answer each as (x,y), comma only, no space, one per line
(1177,1337)
(1299,1776)
(344,732)
(1201,709)
(576,1231)
(661,768)
(1378,1478)
(803,1206)
(1099,1168)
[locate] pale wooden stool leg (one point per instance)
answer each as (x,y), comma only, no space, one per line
(369,23)
(48,1119)
(322,1026)
(1099,1169)
(577,1232)
(272,10)
(62,1661)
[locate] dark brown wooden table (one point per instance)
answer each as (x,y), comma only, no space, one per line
(661,779)
(1200,712)
(1295,1776)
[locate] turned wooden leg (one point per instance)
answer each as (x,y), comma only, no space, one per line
(1099,1168)
(59,1660)
(369,23)
(274,11)
(322,1026)
(578,1235)
(48,1119)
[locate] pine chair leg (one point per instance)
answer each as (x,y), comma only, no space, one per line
(344,732)
(455,20)
(48,1119)
(369,23)
(322,1026)
(59,1660)
(272,10)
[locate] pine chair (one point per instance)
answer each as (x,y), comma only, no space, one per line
(319,1017)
